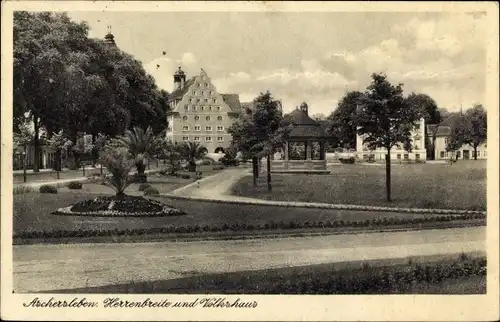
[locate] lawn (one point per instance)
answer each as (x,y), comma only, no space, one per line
(32,212)
(323,279)
(458,186)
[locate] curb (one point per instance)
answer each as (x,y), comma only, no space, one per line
(251,201)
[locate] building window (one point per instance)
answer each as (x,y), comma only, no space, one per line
(185,128)
(186,107)
(208,128)
(192,100)
(218,108)
(416,147)
(194,108)
(185,138)
(214,100)
(220,128)
(445,140)
(196,118)
(211,92)
(417,126)
(398,156)
(208,118)
(208,138)
(184,118)
(203,108)
(484,153)
(206,85)
(206,100)
(458,154)
(219,118)
(198,84)
(194,92)
(417,156)
(406,156)
(196,138)
(202,93)
(198,100)
(441,154)
(197,128)
(365,157)
(210,108)
(220,138)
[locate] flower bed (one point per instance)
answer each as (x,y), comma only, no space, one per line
(123,206)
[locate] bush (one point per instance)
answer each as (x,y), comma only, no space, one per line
(22,189)
(349,160)
(150,191)
(144,186)
(75,185)
(185,176)
(48,189)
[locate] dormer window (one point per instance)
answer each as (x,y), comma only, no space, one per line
(196,118)
(194,92)
(208,118)
(184,118)
(218,108)
(202,92)
(214,100)
(219,118)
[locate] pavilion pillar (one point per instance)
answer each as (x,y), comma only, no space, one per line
(308,150)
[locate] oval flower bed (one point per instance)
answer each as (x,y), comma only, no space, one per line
(123,206)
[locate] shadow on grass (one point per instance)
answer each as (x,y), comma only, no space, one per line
(438,275)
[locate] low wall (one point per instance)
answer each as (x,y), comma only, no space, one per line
(298,165)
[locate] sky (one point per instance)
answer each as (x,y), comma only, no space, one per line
(308,56)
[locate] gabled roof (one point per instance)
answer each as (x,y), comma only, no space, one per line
(233,101)
(442,130)
(179,93)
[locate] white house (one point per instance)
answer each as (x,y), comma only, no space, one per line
(397,153)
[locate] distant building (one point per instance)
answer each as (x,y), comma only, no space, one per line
(417,153)
(199,113)
(443,134)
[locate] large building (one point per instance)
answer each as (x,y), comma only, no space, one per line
(198,113)
(418,152)
(442,133)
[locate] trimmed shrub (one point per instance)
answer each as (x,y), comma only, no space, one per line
(75,185)
(350,160)
(150,191)
(185,176)
(48,189)
(144,186)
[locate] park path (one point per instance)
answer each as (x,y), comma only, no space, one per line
(216,186)
(68,266)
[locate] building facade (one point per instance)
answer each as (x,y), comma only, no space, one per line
(442,134)
(199,113)
(398,153)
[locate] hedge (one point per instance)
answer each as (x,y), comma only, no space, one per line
(382,280)
(75,185)
(249,227)
(47,189)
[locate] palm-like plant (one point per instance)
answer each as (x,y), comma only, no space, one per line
(142,145)
(119,162)
(193,151)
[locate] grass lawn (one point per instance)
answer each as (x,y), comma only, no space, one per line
(295,278)
(458,186)
(32,212)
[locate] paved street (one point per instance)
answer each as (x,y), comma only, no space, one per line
(52,267)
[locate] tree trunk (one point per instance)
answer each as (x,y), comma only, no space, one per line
(254,171)
(388,174)
(58,160)
(94,151)
(36,143)
(269,173)
(475,152)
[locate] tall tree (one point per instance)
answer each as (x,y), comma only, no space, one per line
(385,118)
(475,127)
(260,132)
(43,43)
(432,116)
(341,123)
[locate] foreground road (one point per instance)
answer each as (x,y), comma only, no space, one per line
(52,267)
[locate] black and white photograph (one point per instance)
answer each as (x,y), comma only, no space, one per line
(225,153)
